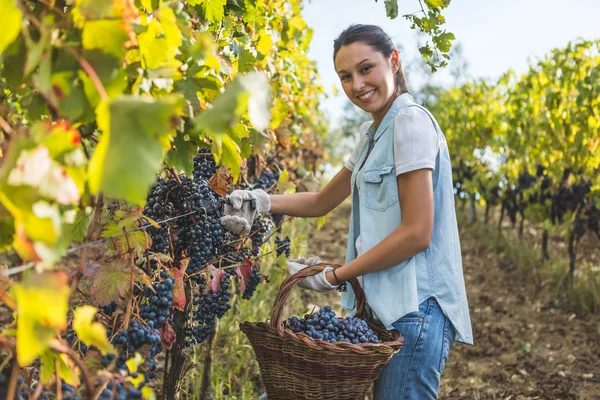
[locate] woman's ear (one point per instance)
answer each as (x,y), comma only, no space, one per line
(395,60)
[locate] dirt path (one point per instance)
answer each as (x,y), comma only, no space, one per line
(524,348)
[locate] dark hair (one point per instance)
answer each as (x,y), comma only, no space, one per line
(375,37)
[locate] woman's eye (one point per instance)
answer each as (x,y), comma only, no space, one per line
(366,68)
(345,77)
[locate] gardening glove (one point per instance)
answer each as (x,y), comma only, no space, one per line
(238,215)
(319,282)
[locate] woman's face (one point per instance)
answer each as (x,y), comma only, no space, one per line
(367,77)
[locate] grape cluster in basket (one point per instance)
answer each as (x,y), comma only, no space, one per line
(324,325)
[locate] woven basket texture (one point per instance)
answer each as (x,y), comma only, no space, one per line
(296,367)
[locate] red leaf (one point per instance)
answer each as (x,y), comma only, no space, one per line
(111,281)
(216,276)
(90,269)
(244,272)
(167,334)
(179,300)
(220,181)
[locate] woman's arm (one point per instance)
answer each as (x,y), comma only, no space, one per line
(314,204)
(410,238)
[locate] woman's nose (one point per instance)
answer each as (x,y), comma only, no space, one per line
(358,85)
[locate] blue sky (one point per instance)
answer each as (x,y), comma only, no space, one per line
(495,35)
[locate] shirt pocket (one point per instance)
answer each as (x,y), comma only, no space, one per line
(381,190)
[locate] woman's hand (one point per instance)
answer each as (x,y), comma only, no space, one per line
(239,219)
(319,282)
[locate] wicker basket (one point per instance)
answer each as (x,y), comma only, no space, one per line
(293,366)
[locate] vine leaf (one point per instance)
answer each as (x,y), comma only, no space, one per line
(38,326)
(11,23)
(214,9)
(111,282)
(179,300)
(284,185)
(67,370)
(391,8)
(136,132)
(220,181)
(216,276)
(244,272)
(91,333)
(167,334)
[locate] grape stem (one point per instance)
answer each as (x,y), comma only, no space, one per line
(87,377)
(131,280)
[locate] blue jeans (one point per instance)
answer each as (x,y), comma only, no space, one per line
(414,372)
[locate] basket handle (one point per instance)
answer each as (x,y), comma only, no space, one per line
(293,280)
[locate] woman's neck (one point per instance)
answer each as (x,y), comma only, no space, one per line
(380,114)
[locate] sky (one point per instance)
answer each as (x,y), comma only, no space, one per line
(495,35)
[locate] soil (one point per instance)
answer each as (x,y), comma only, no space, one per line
(527,346)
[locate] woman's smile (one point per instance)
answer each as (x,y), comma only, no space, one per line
(368,96)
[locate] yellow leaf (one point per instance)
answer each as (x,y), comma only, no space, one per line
(91,333)
(68,371)
(134,363)
(264,44)
(42,304)
(148,393)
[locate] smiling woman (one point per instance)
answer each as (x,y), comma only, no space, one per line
(369,69)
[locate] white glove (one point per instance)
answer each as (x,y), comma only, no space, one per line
(237,218)
(319,282)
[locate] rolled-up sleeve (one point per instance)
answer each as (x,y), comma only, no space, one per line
(416,141)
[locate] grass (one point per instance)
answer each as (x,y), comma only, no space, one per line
(550,276)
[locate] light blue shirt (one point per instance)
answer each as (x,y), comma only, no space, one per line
(376,212)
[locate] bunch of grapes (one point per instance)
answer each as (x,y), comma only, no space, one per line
(204,165)
(260,228)
(510,204)
(156,304)
(325,325)
(118,391)
(128,341)
(208,306)
(251,285)
(266,180)
(21,391)
(282,246)
(74,341)
(160,206)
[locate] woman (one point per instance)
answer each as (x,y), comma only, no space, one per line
(403,243)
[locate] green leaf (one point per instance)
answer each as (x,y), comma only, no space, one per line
(111,282)
(105,35)
(136,131)
(71,98)
(246,93)
(391,8)
(11,23)
(160,43)
(89,332)
(444,41)
(67,370)
(214,10)
(42,304)
(246,61)
(436,3)
(181,156)
(227,153)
